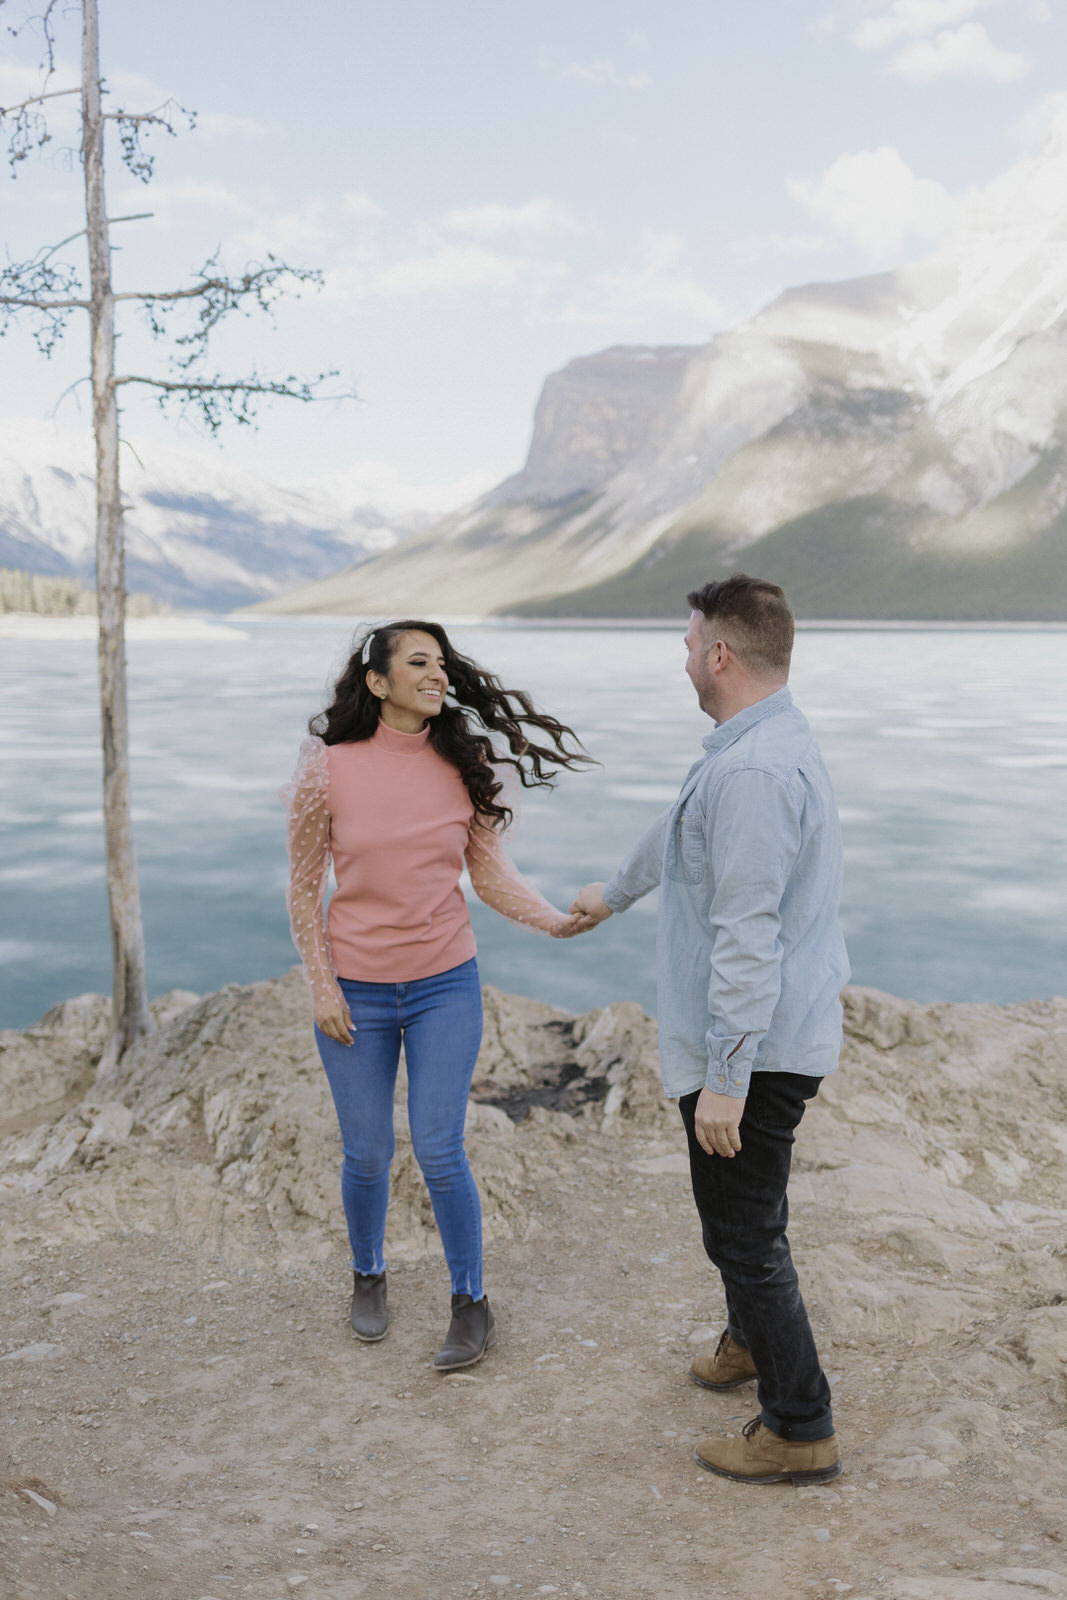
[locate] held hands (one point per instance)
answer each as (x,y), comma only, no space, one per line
(718,1118)
(589,909)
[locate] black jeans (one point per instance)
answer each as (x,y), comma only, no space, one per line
(744,1212)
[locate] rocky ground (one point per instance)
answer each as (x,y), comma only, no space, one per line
(187,1416)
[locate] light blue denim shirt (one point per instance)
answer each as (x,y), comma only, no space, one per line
(750,955)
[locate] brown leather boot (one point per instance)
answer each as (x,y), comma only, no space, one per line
(369,1314)
(760,1456)
(728,1367)
(470,1333)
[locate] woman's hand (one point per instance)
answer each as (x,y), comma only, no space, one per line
(567,927)
(334,1019)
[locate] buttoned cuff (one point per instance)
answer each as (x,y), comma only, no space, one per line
(616,898)
(731,1078)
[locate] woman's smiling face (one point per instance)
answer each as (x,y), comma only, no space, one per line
(415,687)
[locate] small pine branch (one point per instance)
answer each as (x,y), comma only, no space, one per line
(133,125)
(215,296)
(213,401)
(45,288)
(27,127)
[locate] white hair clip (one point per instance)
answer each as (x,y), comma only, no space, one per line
(365,652)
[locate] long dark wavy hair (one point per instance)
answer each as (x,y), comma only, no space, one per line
(476,707)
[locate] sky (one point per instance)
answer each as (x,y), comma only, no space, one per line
(493,189)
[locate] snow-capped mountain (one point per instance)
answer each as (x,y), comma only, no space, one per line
(894,445)
(199,532)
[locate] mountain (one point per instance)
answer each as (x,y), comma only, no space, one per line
(890,446)
(198,532)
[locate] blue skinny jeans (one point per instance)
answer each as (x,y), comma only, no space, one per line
(439,1020)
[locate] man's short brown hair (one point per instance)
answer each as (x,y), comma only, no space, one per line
(756,619)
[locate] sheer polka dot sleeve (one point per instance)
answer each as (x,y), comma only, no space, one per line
(304,797)
(497,880)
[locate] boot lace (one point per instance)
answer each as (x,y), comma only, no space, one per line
(751,1427)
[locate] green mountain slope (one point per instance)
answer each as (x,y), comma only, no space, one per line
(893,446)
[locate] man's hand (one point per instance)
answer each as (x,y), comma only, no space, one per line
(589,908)
(718,1118)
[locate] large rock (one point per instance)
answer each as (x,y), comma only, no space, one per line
(55,1057)
(231,1087)
(929,1174)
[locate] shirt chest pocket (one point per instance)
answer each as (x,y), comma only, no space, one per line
(687,851)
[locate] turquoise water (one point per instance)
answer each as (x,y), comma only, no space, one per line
(948,751)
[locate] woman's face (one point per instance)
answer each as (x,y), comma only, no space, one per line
(416,684)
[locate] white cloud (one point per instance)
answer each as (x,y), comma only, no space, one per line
(221,125)
(361,205)
(796,244)
(132,91)
(19,83)
(603,73)
(873,198)
(967,51)
(540,216)
(906,19)
(451,269)
(653,295)
(1045,120)
(934,39)
(165,200)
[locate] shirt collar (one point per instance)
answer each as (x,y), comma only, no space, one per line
(400,744)
(726,732)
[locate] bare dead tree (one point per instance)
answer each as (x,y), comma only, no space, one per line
(50,289)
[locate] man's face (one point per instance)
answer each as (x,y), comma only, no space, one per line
(700,647)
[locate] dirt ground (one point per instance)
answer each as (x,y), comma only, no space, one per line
(187,1416)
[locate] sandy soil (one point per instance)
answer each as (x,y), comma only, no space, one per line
(186,1414)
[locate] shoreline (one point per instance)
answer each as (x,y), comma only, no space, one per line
(34,625)
(238,623)
(580,624)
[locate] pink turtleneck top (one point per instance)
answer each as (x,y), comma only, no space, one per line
(398,823)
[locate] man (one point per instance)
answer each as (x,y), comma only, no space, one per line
(751,963)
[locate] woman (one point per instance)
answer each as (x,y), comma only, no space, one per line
(397,784)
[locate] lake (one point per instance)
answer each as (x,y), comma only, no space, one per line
(948,750)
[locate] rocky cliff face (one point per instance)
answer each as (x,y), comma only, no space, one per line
(892,446)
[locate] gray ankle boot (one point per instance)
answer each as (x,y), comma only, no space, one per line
(469,1335)
(369,1315)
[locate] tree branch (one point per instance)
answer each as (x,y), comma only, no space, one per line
(34,100)
(44,305)
(44,253)
(28,128)
(206,287)
(51,291)
(215,399)
(256,289)
(131,125)
(45,19)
